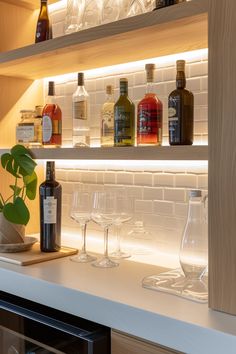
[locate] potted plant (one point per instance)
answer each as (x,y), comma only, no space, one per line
(14,213)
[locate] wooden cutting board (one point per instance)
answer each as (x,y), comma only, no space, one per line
(35,255)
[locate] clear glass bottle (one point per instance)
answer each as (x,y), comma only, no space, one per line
(107,118)
(73,16)
(43,30)
(149,119)
(111,10)
(124,116)
(194,246)
(52,120)
(80,108)
(92,13)
(28,130)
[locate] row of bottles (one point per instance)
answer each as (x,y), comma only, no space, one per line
(82,14)
(118,123)
(118,119)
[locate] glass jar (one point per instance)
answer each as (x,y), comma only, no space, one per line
(29,129)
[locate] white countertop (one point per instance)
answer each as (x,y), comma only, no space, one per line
(114,297)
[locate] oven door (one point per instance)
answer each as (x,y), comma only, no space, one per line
(29,328)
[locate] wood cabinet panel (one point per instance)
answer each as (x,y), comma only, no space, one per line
(222,156)
(124,344)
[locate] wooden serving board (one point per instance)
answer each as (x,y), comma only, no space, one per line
(35,255)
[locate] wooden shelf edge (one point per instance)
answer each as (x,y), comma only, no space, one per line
(85,49)
(195,153)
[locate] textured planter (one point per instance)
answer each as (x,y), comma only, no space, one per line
(10,233)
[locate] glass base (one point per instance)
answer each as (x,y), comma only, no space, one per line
(119,255)
(105,263)
(83,258)
(174,282)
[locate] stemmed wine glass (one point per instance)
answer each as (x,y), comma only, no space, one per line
(124,212)
(81,213)
(103,213)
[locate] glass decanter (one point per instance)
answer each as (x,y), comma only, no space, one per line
(193,255)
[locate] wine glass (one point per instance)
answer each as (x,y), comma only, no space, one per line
(124,212)
(103,213)
(81,213)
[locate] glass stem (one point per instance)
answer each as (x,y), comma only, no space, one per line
(118,238)
(83,231)
(106,242)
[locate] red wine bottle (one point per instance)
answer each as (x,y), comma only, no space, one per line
(43,30)
(50,211)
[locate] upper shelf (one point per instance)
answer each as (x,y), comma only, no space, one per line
(170,30)
(124,153)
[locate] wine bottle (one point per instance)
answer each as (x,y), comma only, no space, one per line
(164,3)
(180,110)
(80,107)
(52,120)
(43,30)
(124,116)
(107,118)
(149,119)
(50,211)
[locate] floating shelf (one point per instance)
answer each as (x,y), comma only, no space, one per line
(170,30)
(124,153)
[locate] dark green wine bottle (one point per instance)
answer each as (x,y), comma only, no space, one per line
(180,110)
(124,118)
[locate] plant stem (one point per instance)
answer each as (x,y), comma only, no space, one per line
(3,202)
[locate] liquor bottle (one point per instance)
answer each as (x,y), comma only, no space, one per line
(107,118)
(180,110)
(164,3)
(43,31)
(52,120)
(80,106)
(124,116)
(50,211)
(29,129)
(149,120)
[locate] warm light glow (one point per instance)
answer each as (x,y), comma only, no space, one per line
(59,5)
(125,68)
(133,165)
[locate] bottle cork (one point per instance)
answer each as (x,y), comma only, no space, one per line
(180,65)
(109,90)
(150,72)
(80,79)
(51,88)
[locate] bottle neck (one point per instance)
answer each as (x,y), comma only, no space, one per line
(50,99)
(149,88)
(44,8)
(50,171)
(180,80)
(109,97)
(124,88)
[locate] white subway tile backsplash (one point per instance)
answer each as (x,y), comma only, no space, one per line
(186,180)
(174,194)
(109,177)
(152,193)
(164,179)
(144,206)
(124,178)
(202,181)
(143,179)
(181,210)
(199,69)
(163,207)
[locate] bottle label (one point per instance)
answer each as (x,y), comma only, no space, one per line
(107,124)
(25,132)
(80,110)
(50,210)
(56,127)
(174,119)
(47,129)
(149,121)
(122,125)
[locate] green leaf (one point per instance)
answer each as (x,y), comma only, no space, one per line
(16,189)
(5,158)
(1,205)
(19,150)
(31,185)
(16,212)
(23,160)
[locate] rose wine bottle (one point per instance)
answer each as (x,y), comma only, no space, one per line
(124,115)
(180,110)
(43,30)
(50,211)
(52,120)
(149,120)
